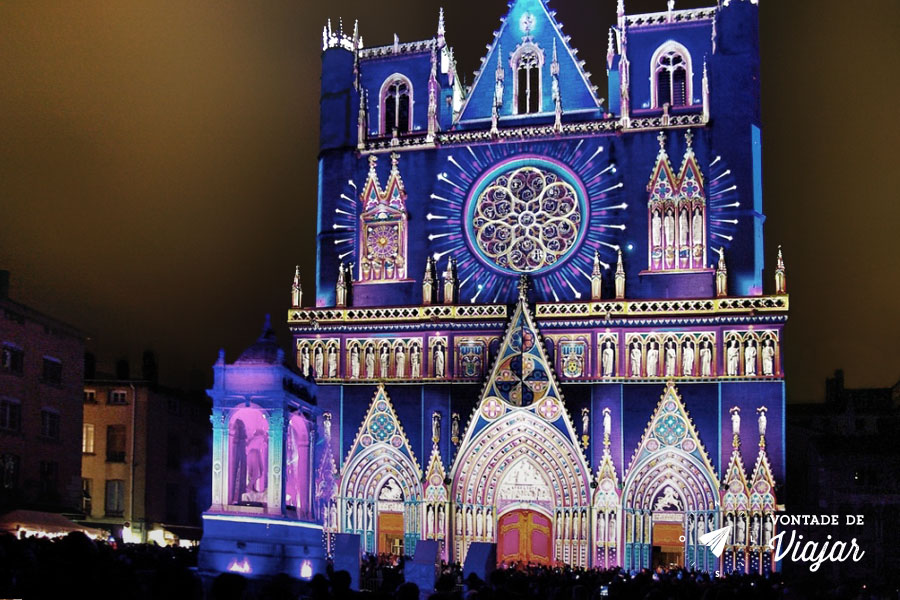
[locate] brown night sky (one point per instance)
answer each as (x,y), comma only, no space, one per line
(158,164)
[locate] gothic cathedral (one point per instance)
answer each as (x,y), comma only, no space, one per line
(542,318)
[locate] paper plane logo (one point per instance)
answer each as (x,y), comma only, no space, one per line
(715,540)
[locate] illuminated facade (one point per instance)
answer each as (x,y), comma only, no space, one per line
(546,327)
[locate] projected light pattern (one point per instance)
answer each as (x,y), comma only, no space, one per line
(724,206)
(345,221)
(584,166)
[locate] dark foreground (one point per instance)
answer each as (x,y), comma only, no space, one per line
(76,567)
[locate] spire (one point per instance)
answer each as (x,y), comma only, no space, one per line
(498,90)
(671,5)
(620,12)
(780,276)
(429,287)
(433,124)
(296,291)
(610,50)
(440,29)
(557,97)
(620,276)
(362,122)
(721,275)
(705,92)
(596,278)
(451,291)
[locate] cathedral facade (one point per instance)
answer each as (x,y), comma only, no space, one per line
(540,318)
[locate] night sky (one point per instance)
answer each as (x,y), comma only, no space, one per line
(158,165)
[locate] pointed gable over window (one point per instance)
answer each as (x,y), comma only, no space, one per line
(526,35)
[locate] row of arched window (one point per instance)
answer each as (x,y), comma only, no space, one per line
(670,83)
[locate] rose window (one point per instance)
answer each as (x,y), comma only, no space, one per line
(527,218)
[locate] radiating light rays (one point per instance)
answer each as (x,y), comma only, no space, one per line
(346,220)
(588,159)
(723,206)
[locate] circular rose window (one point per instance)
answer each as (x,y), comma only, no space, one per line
(526,215)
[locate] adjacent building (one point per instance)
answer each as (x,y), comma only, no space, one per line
(145,459)
(41,377)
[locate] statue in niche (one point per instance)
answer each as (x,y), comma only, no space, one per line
(370,517)
(349,516)
(690,530)
(656,228)
(470,525)
(429,522)
(239,461)
(585,422)
(705,359)
(733,357)
(438,360)
(304,361)
(608,359)
(319,359)
(489,525)
(370,363)
(479,523)
(576,527)
(750,358)
(354,362)
(459,521)
(683,227)
(635,359)
(601,528)
(741,531)
(653,359)
(415,362)
(360,523)
(754,531)
(332,362)
(384,360)
(612,528)
(454,428)
(333,512)
(735,421)
(697,226)
(400,359)
(435,427)
(559,523)
(729,522)
(761,411)
(687,359)
(767,531)
(768,358)
(442,521)
(670,359)
(607,424)
(669,225)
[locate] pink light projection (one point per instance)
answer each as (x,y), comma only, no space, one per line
(297,480)
(249,456)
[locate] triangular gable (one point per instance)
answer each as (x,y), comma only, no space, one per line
(662,184)
(607,495)
(690,178)
(762,484)
(734,488)
(522,378)
(390,199)
(544,31)
(435,490)
(381,426)
(671,427)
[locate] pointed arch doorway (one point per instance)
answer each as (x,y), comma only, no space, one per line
(524,535)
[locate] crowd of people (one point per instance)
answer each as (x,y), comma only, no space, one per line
(76,566)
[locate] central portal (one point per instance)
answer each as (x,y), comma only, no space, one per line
(668,542)
(524,535)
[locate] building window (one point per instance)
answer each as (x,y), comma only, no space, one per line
(87,487)
(9,471)
(115,443)
(90,397)
(670,70)
(10,415)
(115,497)
(50,424)
(528,83)
(396,105)
(87,438)
(12,359)
(118,397)
(49,471)
(52,372)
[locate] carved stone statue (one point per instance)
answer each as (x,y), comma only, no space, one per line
(436,427)
(705,359)
(326,426)
(687,359)
(735,421)
(608,359)
(354,362)
(741,531)
(762,420)
(585,422)
(653,360)
(384,361)
(454,428)
(489,525)
(612,528)
(400,360)
(683,228)
(459,521)
(697,227)
(754,531)
(601,528)
(415,362)
(332,362)
(442,521)
(607,423)
(635,360)
(750,358)
(439,360)
(733,357)
(320,362)
(304,361)
(370,363)
(670,359)
(669,225)
(767,531)
(429,522)
(768,358)
(656,228)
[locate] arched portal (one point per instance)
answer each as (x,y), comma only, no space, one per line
(670,494)
(520,462)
